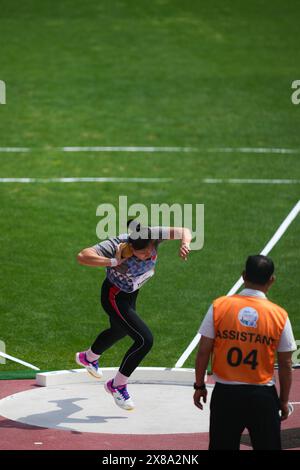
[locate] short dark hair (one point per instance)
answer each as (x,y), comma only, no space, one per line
(139,237)
(259,269)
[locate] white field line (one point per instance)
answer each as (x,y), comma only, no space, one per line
(254,150)
(141,180)
(19,361)
(249,181)
(128,149)
(14,149)
(272,242)
(85,180)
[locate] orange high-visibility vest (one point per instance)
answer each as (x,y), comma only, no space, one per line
(247,333)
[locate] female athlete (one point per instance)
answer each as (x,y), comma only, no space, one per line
(130,261)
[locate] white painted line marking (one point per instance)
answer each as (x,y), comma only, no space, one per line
(253,150)
(19,361)
(128,149)
(3,349)
(139,180)
(249,181)
(276,237)
(85,180)
(145,149)
(14,149)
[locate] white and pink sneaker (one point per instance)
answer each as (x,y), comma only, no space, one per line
(91,367)
(120,395)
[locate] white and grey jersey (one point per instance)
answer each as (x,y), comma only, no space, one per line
(133,273)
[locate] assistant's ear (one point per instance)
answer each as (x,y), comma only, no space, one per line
(272,279)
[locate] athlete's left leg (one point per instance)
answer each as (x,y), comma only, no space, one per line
(126,316)
(137,329)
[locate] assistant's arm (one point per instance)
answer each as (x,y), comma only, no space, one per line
(285,380)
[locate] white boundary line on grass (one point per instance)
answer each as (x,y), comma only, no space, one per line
(85,180)
(249,181)
(143,180)
(252,150)
(276,237)
(15,359)
(14,149)
(256,150)
(129,149)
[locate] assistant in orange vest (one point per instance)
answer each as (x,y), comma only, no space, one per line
(244,333)
(247,333)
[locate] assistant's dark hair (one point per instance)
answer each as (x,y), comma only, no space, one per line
(259,269)
(139,237)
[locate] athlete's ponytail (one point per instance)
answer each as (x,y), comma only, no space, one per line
(139,237)
(133,225)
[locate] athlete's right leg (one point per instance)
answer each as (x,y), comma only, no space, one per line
(89,358)
(116,331)
(108,337)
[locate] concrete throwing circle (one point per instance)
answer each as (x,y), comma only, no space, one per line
(161,408)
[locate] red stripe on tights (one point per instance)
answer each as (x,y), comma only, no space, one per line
(113,291)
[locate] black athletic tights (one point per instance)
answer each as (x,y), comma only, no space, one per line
(120,307)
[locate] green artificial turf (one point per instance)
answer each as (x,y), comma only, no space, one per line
(203,74)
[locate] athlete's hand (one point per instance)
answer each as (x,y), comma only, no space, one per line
(184,251)
(197,398)
(118,255)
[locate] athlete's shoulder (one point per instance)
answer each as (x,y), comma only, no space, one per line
(123,237)
(160,233)
(109,246)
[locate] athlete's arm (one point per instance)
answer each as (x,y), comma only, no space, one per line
(90,257)
(285,380)
(183,234)
(205,348)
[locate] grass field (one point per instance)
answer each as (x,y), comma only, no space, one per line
(209,74)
